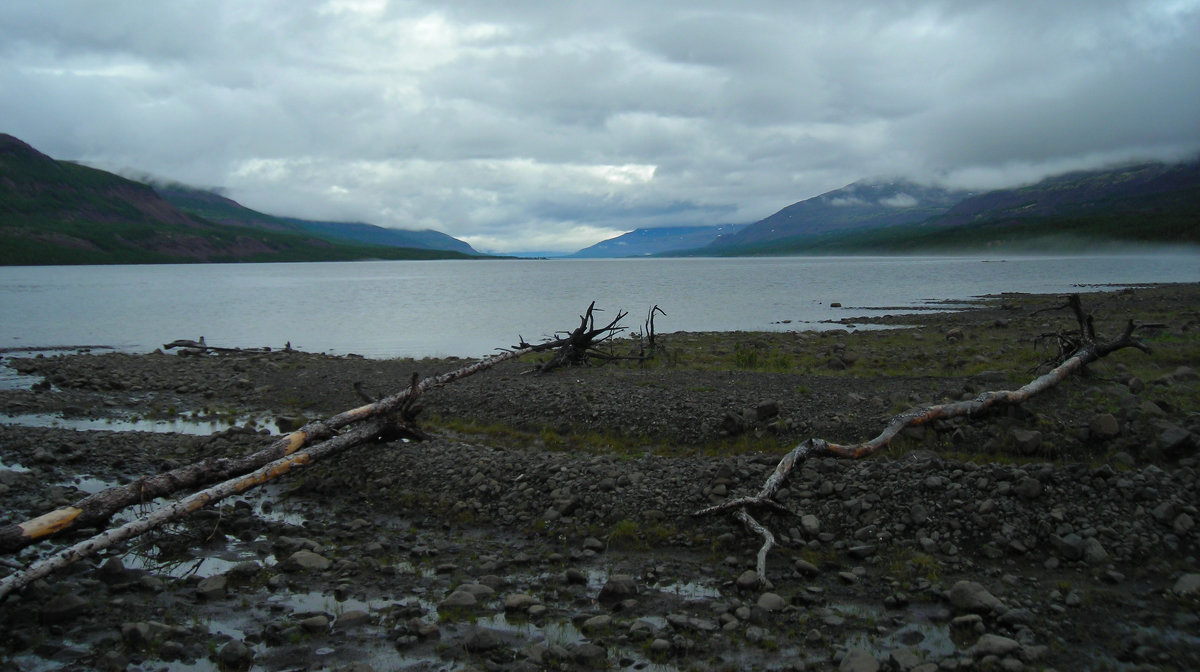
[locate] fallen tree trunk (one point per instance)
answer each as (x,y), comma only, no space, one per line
(1088,352)
(96,509)
(361,434)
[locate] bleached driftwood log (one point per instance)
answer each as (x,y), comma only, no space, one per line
(1088,351)
(21,578)
(98,508)
(384,417)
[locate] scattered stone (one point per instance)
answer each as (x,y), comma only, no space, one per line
(351,619)
(748,580)
(904,659)
(64,608)
(315,624)
(481,592)
(519,602)
(236,655)
(305,560)
(1027,441)
(1070,546)
(862,551)
(135,635)
(1188,585)
(994,645)
(804,567)
(213,587)
(771,602)
(1182,524)
(810,525)
(589,655)
(972,597)
(597,623)
(459,599)
(618,587)
(480,640)
(1028,488)
(858,660)
(1104,426)
(1093,551)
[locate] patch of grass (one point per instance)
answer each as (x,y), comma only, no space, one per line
(628,535)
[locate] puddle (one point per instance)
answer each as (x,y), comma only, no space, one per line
(691,591)
(179,425)
(929,640)
(406,567)
(559,633)
(16,467)
(10,379)
(197,563)
(324,603)
(89,484)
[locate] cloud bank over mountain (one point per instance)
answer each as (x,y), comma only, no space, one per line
(552,126)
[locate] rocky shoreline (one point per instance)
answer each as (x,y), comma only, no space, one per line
(547,522)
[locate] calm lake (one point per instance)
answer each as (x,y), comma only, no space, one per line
(470,308)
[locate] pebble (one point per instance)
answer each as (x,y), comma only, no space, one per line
(64,608)
(771,602)
(236,655)
(305,560)
(459,599)
(971,596)
(618,587)
(858,660)
(1187,585)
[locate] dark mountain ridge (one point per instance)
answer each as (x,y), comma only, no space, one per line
(866,204)
(1144,202)
(213,205)
(59,212)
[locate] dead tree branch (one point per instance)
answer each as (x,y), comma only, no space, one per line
(1089,352)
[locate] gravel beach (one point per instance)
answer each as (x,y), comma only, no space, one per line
(546,523)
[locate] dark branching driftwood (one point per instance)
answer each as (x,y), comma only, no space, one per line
(580,346)
(189,347)
(1088,350)
(387,418)
(649,347)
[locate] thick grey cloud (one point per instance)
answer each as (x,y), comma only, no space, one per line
(550,126)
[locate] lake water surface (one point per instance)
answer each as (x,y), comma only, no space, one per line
(470,308)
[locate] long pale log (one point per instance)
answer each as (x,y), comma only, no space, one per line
(352,437)
(814,447)
(97,508)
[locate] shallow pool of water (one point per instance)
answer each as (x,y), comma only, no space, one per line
(177,425)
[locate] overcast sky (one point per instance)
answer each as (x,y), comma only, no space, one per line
(553,125)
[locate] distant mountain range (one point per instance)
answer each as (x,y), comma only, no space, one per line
(859,206)
(214,207)
(646,242)
(59,212)
(1151,203)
